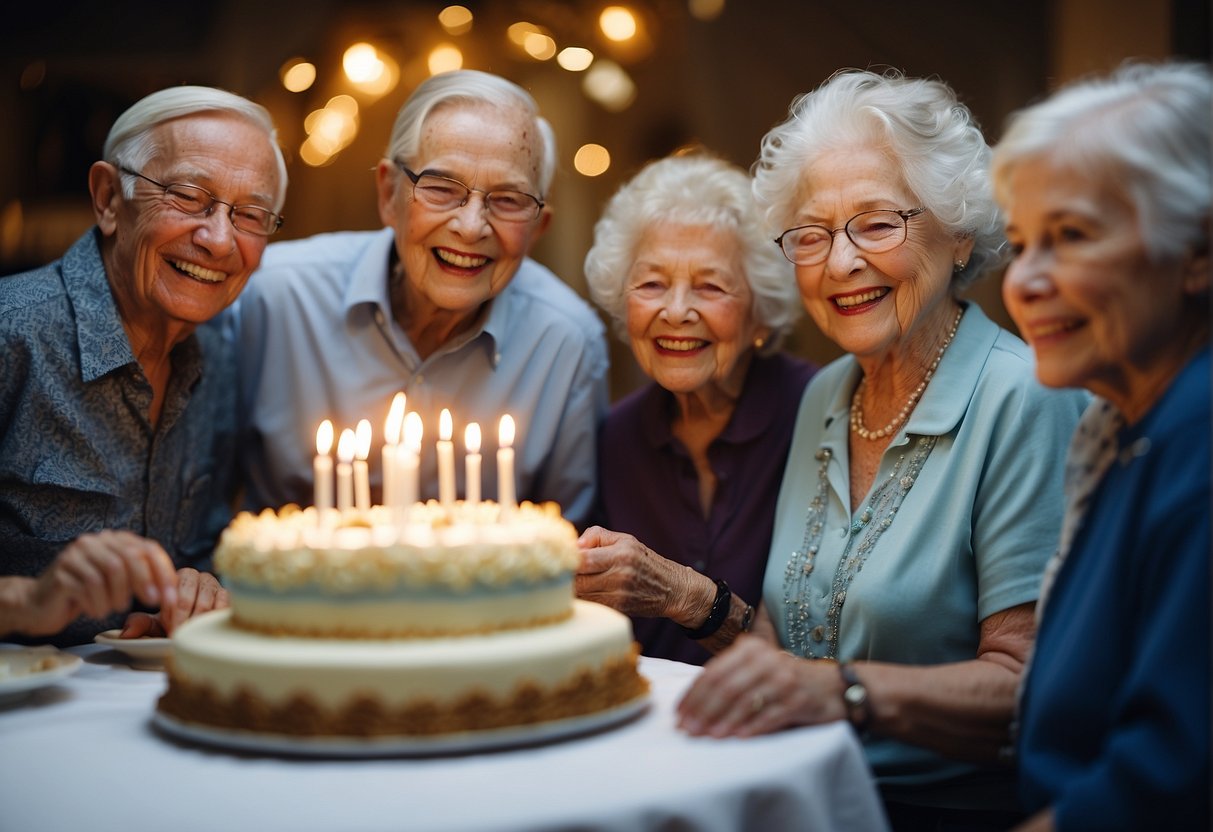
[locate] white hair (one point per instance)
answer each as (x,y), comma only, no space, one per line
(926,131)
(1144,129)
(465,86)
(131,142)
(691,189)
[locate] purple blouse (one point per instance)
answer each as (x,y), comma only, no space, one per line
(648,487)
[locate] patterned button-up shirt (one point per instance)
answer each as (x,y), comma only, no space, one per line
(77,451)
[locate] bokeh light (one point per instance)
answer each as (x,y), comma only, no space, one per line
(297,75)
(592,160)
(617,23)
(457,20)
(575,58)
(609,85)
(444,58)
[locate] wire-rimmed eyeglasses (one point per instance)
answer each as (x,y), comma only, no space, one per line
(871,231)
(194,201)
(442,193)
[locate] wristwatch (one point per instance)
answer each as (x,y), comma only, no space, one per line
(855,698)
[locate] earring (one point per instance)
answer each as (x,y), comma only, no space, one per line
(759,342)
(958,266)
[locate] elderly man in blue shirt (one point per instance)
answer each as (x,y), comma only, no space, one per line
(116,402)
(443,304)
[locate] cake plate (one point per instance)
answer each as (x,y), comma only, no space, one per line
(465,742)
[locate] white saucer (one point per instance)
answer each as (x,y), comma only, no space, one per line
(21,677)
(144,651)
(462,743)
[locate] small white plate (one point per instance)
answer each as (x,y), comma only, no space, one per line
(30,668)
(143,651)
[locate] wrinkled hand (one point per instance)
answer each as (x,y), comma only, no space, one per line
(621,572)
(754,687)
(98,574)
(197,592)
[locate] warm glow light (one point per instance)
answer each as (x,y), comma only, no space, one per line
(575,58)
(345,446)
(12,229)
(324,437)
(519,31)
(346,105)
(445,428)
(617,23)
(361,63)
(362,437)
(592,160)
(539,46)
(456,19)
(444,58)
(395,420)
(313,155)
(505,432)
(471,438)
(609,85)
(297,75)
(705,9)
(413,430)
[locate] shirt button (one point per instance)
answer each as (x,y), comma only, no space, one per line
(844,531)
(818,633)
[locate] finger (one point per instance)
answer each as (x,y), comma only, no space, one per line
(83,563)
(208,592)
(141,625)
(591,537)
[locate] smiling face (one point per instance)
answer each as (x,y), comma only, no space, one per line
(689,309)
(168,269)
(1098,312)
(456,260)
(873,304)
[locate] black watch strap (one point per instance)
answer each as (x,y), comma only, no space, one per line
(716,615)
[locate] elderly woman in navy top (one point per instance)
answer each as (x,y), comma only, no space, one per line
(922,494)
(690,464)
(1107,192)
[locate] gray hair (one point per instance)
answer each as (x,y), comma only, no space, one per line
(131,143)
(695,189)
(1144,129)
(466,86)
(919,122)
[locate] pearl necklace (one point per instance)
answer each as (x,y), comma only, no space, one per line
(857,425)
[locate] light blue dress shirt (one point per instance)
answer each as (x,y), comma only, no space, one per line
(970,539)
(318,341)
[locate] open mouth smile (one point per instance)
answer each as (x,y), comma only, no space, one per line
(198,272)
(460,261)
(848,303)
(680,344)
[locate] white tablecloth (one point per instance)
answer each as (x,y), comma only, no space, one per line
(82,755)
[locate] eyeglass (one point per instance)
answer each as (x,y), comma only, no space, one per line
(871,231)
(445,194)
(195,201)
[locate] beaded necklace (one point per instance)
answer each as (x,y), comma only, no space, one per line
(866,527)
(857,425)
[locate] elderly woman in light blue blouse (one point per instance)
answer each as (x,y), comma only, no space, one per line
(922,495)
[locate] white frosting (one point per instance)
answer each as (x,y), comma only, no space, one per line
(210,649)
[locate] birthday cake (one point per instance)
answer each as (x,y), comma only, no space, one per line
(461,619)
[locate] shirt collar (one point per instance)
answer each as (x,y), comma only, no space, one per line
(368,286)
(946,398)
(100,335)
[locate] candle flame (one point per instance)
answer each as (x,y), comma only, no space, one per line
(445,428)
(413,430)
(395,419)
(345,447)
(505,433)
(471,438)
(362,440)
(324,438)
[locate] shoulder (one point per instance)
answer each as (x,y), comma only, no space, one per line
(542,296)
(32,290)
(299,265)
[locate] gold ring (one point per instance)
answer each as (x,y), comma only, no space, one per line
(757,702)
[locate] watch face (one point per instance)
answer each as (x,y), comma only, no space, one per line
(855,695)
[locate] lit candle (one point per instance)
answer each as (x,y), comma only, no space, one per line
(505,462)
(322,469)
(410,460)
(446,460)
(391,438)
(471,462)
(362,471)
(345,471)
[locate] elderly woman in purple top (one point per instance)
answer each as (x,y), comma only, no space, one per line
(690,464)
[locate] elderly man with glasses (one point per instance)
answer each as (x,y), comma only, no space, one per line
(117,402)
(442,304)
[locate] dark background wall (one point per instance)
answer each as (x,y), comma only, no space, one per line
(67,69)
